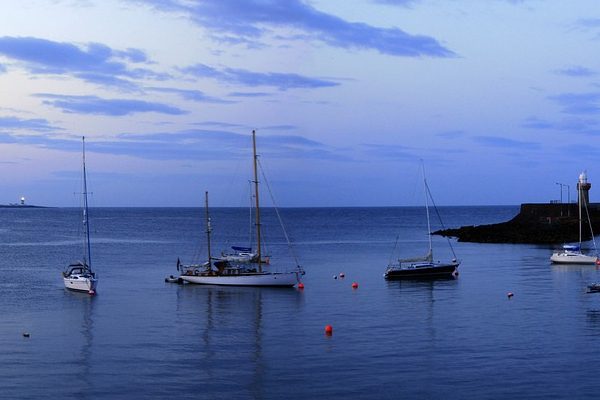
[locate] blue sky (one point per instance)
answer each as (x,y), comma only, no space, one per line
(499,98)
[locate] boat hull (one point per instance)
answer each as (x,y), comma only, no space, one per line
(422,271)
(280,279)
(572,257)
(80,284)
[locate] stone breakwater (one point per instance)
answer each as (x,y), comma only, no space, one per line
(535,224)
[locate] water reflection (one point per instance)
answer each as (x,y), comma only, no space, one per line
(225,333)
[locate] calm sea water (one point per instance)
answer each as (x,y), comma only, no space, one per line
(143,338)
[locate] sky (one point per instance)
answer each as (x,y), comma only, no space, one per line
(499,100)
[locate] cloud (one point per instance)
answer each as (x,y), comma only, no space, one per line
(95,63)
(588,126)
(576,71)
(497,141)
(99,106)
(243,21)
(192,95)
(249,94)
(36,124)
(193,144)
(282,81)
(578,103)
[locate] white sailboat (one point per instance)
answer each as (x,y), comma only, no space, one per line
(79,275)
(231,272)
(570,253)
(423,267)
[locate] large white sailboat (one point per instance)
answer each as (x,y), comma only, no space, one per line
(571,253)
(79,275)
(241,272)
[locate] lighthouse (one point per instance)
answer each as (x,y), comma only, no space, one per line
(583,190)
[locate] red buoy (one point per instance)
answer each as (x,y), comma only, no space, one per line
(597,261)
(328,330)
(354,285)
(301,285)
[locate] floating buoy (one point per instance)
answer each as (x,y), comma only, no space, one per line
(354,285)
(598,261)
(26,334)
(335,277)
(301,285)
(510,294)
(342,275)
(328,330)
(92,292)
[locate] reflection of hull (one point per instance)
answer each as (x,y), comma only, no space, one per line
(425,270)
(572,257)
(81,284)
(281,279)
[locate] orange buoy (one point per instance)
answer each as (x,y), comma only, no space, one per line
(354,285)
(328,330)
(510,294)
(301,285)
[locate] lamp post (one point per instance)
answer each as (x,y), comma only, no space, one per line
(561,197)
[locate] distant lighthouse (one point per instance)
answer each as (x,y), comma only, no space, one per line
(583,189)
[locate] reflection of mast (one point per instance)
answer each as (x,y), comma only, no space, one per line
(87,326)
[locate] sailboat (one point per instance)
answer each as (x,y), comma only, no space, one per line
(423,267)
(571,253)
(224,271)
(79,275)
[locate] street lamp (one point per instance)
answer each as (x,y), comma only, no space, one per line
(561,190)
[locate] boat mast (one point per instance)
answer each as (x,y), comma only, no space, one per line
(427,209)
(88,251)
(255,160)
(208,228)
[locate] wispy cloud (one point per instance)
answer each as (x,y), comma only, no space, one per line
(99,106)
(281,81)
(572,125)
(578,103)
(576,71)
(245,21)
(192,95)
(249,94)
(503,142)
(193,144)
(95,63)
(35,124)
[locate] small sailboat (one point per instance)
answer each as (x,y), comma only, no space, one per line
(79,275)
(423,267)
(570,253)
(239,272)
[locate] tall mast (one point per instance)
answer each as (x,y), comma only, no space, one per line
(255,159)
(427,208)
(86,221)
(208,228)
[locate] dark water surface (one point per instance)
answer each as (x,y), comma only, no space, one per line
(143,338)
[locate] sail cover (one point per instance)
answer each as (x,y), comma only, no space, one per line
(428,257)
(242,249)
